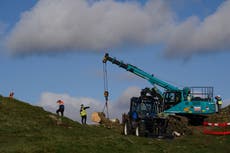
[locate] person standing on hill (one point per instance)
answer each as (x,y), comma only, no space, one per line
(11,95)
(83,114)
(61,107)
(219,103)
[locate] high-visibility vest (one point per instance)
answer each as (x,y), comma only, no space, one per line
(189,97)
(219,102)
(83,112)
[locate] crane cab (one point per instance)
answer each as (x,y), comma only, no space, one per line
(198,100)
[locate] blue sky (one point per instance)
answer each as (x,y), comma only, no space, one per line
(53,49)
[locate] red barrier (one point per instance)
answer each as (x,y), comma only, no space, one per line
(225,124)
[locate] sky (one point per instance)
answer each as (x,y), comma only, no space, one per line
(53,49)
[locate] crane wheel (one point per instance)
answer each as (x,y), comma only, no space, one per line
(140,130)
(137,131)
(126,128)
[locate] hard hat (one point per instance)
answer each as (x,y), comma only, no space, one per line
(218,96)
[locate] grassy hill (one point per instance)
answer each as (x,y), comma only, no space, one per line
(29,129)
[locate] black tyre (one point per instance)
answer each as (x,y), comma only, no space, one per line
(140,130)
(126,128)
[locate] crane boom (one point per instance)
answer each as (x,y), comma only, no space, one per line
(191,102)
(137,71)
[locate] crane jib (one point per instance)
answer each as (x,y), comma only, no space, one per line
(153,80)
(150,77)
(121,64)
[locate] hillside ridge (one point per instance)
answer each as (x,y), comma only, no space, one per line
(25,128)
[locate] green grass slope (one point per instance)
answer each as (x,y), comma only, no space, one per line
(29,129)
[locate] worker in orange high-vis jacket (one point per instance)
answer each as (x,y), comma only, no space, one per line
(83,114)
(61,107)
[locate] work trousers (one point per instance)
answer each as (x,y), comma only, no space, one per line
(61,109)
(83,119)
(219,107)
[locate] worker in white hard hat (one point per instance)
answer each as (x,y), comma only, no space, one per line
(219,103)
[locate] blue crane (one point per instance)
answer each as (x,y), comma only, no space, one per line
(189,100)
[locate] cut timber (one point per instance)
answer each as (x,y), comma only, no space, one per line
(99,117)
(95,117)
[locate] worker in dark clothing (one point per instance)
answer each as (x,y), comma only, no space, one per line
(61,107)
(83,114)
(11,95)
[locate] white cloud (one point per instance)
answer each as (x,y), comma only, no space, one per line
(72,104)
(122,105)
(55,25)
(211,34)
(96,25)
